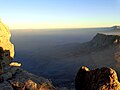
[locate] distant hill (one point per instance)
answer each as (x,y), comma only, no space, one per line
(116,27)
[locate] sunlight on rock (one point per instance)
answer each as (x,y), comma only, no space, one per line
(30,85)
(46,86)
(15,64)
(5,36)
(116,41)
(85,68)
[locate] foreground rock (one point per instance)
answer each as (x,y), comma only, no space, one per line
(12,77)
(19,79)
(98,79)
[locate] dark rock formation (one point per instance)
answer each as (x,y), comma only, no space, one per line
(98,79)
(116,28)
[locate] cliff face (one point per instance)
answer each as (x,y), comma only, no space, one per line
(5,39)
(12,77)
(103,40)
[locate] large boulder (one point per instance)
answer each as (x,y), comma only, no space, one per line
(98,79)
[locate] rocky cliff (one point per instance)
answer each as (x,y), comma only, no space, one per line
(101,40)
(5,39)
(12,77)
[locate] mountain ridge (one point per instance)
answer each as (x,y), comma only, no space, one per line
(116,27)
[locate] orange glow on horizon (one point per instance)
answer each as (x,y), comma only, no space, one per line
(34,25)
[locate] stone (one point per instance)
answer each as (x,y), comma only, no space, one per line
(6,47)
(30,85)
(6,76)
(98,79)
(24,80)
(46,86)
(15,64)
(5,39)
(5,86)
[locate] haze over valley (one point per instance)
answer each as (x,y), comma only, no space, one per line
(60,44)
(49,49)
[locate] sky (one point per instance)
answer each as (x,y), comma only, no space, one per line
(45,14)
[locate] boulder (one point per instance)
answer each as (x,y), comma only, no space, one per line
(98,79)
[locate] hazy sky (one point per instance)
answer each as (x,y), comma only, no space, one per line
(60,13)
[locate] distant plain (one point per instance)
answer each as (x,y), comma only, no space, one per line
(33,49)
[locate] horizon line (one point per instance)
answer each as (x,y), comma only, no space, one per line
(60,28)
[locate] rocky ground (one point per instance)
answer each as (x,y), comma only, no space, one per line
(18,79)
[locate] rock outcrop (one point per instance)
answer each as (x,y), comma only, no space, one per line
(98,79)
(5,39)
(104,40)
(12,77)
(116,28)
